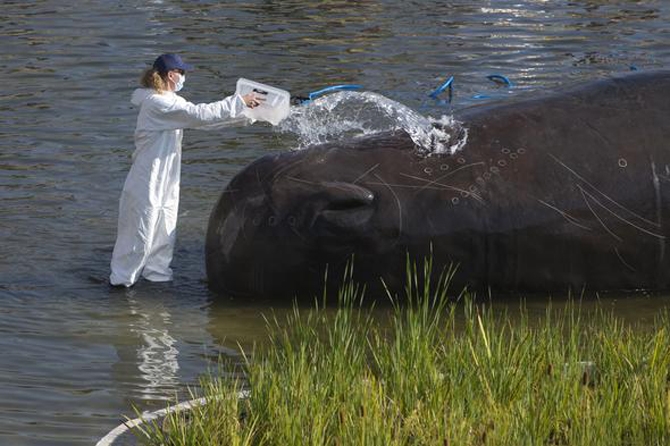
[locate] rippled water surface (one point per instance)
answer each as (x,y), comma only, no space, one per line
(75,355)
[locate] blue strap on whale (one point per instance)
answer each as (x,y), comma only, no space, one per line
(332,88)
(448,84)
(315,94)
(498,79)
(435,94)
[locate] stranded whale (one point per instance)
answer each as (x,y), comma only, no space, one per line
(567,190)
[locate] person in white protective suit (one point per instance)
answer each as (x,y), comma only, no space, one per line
(150,198)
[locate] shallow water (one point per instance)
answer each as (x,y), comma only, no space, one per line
(77,355)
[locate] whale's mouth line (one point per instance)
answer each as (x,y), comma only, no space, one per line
(344,219)
(345,207)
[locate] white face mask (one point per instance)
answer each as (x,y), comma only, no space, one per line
(180,82)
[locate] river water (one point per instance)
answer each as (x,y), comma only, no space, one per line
(76,355)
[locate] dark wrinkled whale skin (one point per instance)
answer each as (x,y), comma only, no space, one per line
(565,191)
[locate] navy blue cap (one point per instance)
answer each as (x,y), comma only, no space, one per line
(167,62)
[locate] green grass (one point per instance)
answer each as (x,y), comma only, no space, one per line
(438,372)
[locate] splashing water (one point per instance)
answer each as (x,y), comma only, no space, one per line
(353,114)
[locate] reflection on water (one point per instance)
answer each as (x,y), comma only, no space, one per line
(157,355)
(75,354)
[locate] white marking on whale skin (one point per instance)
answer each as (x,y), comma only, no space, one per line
(402,186)
(432,183)
(366,173)
(653,234)
(570,219)
(596,215)
(300,180)
(276,175)
(599,133)
(608,198)
(297,233)
(441,177)
(618,254)
(659,216)
(231,228)
(397,202)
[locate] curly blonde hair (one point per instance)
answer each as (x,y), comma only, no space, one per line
(153,79)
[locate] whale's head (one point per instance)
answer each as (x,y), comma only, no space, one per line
(287,218)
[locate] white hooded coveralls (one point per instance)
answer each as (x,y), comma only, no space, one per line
(150,198)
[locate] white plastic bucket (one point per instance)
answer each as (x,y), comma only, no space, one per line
(276,106)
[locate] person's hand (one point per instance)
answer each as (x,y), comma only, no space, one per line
(253,100)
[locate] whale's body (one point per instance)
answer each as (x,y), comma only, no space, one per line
(567,190)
